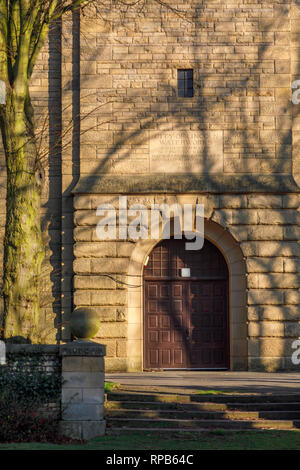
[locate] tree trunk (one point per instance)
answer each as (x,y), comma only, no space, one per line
(23,244)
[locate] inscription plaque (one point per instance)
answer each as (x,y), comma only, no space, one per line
(186,151)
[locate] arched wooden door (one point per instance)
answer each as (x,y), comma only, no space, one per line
(186,318)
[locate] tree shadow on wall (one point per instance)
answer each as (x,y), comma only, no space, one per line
(255,142)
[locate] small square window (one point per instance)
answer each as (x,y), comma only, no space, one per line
(185,83)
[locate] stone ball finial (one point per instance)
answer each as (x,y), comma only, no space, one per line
(84,323)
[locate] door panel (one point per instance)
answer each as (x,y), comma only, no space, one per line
(164,335)
(190,331)
(185,320)
(209,324)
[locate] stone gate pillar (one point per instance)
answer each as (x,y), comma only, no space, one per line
(82,401)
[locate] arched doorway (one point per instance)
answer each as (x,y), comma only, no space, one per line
(186,324)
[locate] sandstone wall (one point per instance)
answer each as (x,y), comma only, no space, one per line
(244,58)
(239,124)
(112,91)
(264,313)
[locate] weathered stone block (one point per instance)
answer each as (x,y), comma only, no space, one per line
(274,313)
(267,232)
(113,330)
(244,217)
(95,250)
(86,217)
(109,297)
(270,347)
(240,232)
(291,201)
(252,281)
(222,217)
(277,80)
(83,411)
(233,201)
(93,395)
(292,329)
(282,66)
(102,199)
(71,395)
(283,280)
(111,347)
(278,23)
(82,297)
(254,313)
(82,201)
(291,265)
(265,296)
(122,348)
(119,364)
(109,265)
(264,264)
(83,379)
(266,364)
(266,328)
(284,217)
(71,429)
(82,364)
(124,249)
(292,296)
(82,430)
(274,52)
(92,429)
(82,234)
(291,232)
(259,201)
(96,81)
(270,248)
(94,282)
(106,314)
(225,26)
(82,265)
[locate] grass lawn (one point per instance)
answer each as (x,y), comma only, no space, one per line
(213,440)
(110,386)
(215,392)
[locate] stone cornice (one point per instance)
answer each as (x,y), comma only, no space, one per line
(176,184)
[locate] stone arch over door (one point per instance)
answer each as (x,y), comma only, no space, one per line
(234,258)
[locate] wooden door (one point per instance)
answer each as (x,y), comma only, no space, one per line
(166,322)
(185,319)
(209,324)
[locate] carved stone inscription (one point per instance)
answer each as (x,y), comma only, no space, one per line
(186,151)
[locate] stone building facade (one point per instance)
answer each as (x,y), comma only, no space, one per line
(231,145)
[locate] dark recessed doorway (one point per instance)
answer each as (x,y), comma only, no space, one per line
(186,318)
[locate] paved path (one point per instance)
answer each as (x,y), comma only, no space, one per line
(191,381)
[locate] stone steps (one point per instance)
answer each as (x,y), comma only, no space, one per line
(160,411)
(210,406)
(200,415)
(203,398)
(115,431)
(157,424)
